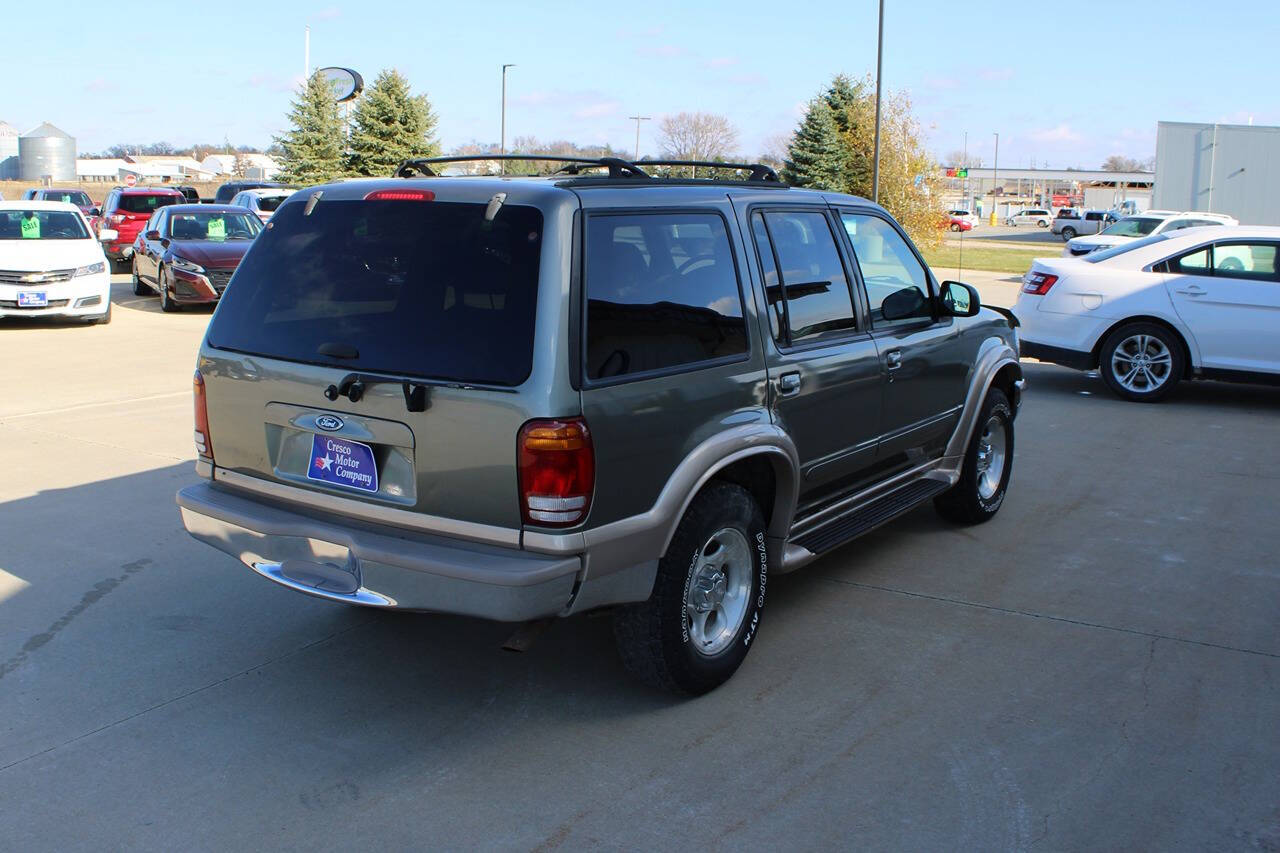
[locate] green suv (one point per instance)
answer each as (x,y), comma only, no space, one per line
(522,398)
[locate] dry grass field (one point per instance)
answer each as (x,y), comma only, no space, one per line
(97,190)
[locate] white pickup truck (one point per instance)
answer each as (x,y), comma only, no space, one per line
(1071,223)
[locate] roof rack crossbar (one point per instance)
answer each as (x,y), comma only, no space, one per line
(617,167)
(759,171)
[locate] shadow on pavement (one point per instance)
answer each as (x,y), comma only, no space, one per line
(1042,377)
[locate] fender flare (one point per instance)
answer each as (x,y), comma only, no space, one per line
(994,355)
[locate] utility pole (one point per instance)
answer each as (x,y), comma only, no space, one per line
(995,178)
(875,169)
(637,120)
(502,144)
(306,55)
(968,202)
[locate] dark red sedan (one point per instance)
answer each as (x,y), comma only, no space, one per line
(187,252)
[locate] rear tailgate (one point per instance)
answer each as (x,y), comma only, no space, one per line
(425,306)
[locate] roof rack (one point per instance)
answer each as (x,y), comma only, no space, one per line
(618,168)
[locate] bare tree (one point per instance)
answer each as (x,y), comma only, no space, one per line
(1120,163)
(697,136)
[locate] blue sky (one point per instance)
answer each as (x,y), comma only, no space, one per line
(1065,88)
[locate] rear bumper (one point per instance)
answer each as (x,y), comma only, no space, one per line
(359,565)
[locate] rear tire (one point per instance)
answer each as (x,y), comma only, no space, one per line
(702,616)
(1068,234)
(988,463)
(1141,362)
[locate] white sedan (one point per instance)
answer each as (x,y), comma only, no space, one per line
(1200,303)
(262,201)
(51,264)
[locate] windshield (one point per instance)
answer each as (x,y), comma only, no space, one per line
(428,289)
(271,202)
(76,197)
(1104,254)
(139,203)
(41,225)
(216,226)
(1133,226)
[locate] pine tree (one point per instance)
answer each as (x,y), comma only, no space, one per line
(853,106)
(391,125)
(816,157)
(313,146)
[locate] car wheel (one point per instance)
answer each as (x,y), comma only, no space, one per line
(703,614)
(167,304)
(955,227)
(1141,362)
(139,289)
(1068,234)
(1043,223)
(984,474)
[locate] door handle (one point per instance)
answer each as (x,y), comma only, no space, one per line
(893,359)
(1192,290)
(789,383)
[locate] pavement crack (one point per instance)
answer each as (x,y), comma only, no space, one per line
(192,692)
(1013,611)
(99,591)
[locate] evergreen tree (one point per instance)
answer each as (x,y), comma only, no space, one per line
(312,148)
(853,106)
(816,157)
(391,125)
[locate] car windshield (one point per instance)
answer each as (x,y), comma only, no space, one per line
(217,226)
(148,202)
(41,225)
(1133,226)
(1105,254)
(76,197)
(431,290)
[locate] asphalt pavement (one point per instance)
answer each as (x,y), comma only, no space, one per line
(1098,667)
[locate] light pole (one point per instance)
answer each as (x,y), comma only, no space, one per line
(875,169)
(637,120)
(502,144)
(995,178)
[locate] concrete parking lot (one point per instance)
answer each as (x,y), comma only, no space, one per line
(1099,667)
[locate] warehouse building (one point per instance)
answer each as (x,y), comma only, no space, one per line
(1219,168)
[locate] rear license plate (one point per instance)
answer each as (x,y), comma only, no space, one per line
(342,462)
(32,299)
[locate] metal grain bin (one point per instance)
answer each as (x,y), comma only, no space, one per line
(46,151)
(8,152)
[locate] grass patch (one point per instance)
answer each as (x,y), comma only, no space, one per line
(944,259)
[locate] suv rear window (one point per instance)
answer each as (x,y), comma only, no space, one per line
(424,289)
(75,197)
(270,203)
(662,292)
(138,203)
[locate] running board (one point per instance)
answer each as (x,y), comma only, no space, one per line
(870,516)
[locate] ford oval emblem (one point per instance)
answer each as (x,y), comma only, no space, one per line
(329,423)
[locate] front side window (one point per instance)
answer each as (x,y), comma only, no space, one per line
(662,292)
(41,225)
(803,276)
(1256,261)
(896,282)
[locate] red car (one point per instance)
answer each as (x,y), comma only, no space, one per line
(126,210)
(959,223)
(189,251)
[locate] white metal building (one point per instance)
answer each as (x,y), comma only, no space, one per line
(1219,168)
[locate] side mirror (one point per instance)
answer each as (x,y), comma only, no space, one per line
(904,303)
(108,235)
(95,211)
(152,235)
(959,299)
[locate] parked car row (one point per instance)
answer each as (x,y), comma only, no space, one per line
(1131,228)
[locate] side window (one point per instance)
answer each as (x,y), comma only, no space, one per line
(803,276)
(1092,217)
(662,291)
(897,284)
(1256,261)
(159,222)
(1192,263)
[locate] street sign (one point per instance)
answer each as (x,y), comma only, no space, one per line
(344,82)
(962,173)
(130,180)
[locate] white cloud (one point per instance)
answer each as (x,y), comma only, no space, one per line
(598,109)
(720,62)
(1061,133)
(328,14)
(995,74)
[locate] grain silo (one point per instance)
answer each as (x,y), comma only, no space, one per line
(8,152)
(46,151)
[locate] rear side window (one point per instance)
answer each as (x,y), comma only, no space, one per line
(146,203)
(803,276)
(424,289)
(662,292)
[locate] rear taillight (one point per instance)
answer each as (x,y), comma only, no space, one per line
(557,471)
(204,446)
(117,218)
(1038,283)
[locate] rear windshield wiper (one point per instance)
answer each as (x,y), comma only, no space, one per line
(353,385)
